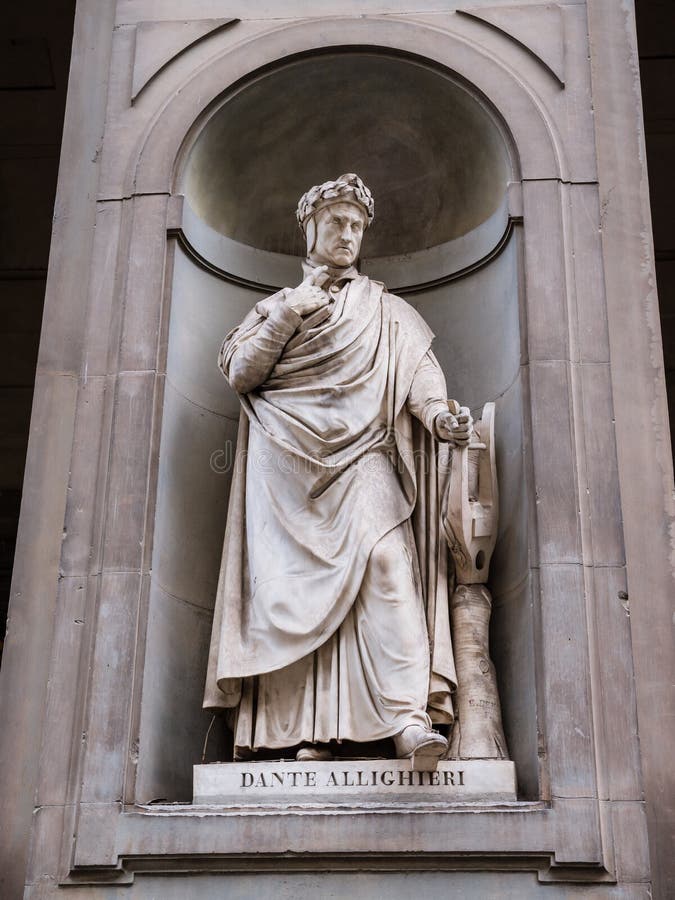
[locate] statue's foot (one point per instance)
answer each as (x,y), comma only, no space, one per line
(423,746)
(314,753)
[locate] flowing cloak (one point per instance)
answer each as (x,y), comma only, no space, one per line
(329,460)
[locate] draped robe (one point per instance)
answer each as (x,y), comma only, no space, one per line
(329,461)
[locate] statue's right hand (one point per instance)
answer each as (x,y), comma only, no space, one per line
(307,297)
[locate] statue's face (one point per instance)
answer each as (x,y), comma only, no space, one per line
(339,231)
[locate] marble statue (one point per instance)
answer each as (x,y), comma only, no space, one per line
(332,619)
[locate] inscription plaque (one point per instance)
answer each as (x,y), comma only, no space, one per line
(354,781)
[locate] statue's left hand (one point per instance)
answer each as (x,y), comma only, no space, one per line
(455,430)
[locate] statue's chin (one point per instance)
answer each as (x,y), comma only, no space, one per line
(334,262)
(341,261)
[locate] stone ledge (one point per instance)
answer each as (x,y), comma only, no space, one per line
(339,782)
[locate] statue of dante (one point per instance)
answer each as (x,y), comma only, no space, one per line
(331,620)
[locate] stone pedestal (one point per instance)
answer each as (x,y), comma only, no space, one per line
(353,782)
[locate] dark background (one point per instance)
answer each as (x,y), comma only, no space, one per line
(34,61)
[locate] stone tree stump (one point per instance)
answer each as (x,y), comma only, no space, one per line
(470,517)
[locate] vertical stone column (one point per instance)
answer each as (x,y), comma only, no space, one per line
(34,599)
(640,405)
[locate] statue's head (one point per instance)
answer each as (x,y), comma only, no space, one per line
(333,217)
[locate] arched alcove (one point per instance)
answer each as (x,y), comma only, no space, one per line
(431,154)
(433,157)
(439,164)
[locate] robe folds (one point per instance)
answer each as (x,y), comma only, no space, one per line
(329,461)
